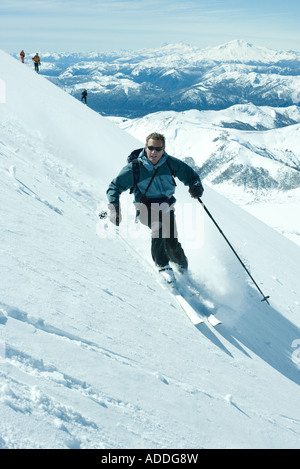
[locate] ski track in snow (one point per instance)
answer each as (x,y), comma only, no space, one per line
(21,397)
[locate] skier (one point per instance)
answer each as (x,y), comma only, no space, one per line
(22,55)
(84,96)
(37,62)
(154,199)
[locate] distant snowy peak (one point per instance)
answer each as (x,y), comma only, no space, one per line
(243,52)
(234,51)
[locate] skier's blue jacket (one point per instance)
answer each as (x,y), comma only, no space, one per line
(162,187)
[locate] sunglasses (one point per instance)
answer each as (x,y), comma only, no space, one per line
(155,148)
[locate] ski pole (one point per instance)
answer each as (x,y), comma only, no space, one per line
(265,298)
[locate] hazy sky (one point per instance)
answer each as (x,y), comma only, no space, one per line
(104,25)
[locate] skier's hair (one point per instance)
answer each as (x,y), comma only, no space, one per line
(156,136)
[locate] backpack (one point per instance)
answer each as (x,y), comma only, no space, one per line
(133,159)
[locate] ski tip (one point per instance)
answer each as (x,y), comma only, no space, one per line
(198,321)
(213,320)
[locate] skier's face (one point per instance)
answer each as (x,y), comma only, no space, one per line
(154,150)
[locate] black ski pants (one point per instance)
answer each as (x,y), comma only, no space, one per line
(165,246)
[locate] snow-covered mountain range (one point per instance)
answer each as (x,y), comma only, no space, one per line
(177,77)
(94,352)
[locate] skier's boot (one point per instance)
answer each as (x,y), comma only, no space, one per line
(167,274)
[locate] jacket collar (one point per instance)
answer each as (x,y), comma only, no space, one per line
(147,163)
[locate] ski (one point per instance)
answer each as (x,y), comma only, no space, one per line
(195,316)
(213,320)
(172,286)
(188,309)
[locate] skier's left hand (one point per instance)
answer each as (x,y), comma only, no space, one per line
(196,190)
(115,214)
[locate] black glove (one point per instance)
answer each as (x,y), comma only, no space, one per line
(196,190)
(115,214)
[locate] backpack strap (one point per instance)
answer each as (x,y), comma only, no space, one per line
(133,159)
(136,176)
(136,173)
(150,182)
(172,171)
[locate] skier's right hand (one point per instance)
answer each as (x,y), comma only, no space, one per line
(115,214)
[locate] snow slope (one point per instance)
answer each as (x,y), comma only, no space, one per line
(95,353)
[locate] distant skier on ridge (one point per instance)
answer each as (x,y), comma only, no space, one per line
(150,174)
(84,95)
(22,55)
(37,62)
